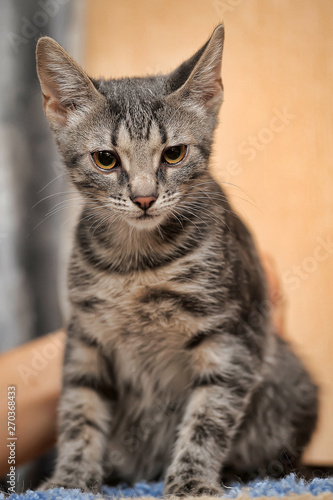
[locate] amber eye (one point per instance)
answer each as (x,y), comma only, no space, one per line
(174,155)
(105,160)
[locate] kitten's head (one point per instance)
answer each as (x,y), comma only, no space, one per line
(135,146)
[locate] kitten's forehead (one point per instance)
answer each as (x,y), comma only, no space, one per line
(136,105)
(149,142)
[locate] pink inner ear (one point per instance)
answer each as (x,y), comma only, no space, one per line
(52,107)
(214,90)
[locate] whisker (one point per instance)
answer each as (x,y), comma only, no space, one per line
(192,213)
(202,208)
(51,182)
(215,197)
(160,232)
(218,182)
(179,220)
(53,195)
(66,205)
(184,217)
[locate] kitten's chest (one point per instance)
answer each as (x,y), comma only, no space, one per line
(147,336)
(145,306)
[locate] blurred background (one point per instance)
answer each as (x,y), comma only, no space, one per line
(274,149)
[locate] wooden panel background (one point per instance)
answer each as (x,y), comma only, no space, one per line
(274,142)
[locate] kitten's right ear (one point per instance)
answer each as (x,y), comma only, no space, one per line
(65,86)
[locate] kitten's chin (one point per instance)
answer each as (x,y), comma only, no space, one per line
(145,222)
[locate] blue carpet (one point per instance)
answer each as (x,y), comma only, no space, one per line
(257,488)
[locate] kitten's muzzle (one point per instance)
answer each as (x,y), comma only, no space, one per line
(144,202)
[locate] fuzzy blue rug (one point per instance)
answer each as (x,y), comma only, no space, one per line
(271,488)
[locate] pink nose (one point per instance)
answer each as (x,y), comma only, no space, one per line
(144,202)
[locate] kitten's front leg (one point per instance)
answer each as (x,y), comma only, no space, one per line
(84,419)
(214,412)
(81,443)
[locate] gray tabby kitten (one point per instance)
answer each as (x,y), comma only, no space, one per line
(172,365)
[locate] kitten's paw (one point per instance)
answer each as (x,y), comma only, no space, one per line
(191,487)
(52,483)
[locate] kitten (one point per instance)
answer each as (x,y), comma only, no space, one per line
(172,365)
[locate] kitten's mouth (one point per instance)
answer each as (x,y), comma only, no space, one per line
(146,221)
(145,216)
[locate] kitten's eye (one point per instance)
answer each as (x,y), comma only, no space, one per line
(174,155)
(105,160)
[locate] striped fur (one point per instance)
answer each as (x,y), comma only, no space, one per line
(172,365)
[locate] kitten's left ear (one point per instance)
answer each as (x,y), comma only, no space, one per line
(199,78)
(65,86)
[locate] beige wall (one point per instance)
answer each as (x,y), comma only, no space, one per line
(274,143)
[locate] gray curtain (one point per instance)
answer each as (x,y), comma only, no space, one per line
(31,175)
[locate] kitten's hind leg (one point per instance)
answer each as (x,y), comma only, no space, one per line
(279,421)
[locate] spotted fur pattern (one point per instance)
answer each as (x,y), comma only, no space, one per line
(172,365)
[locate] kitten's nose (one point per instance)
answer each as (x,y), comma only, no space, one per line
(144,202)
